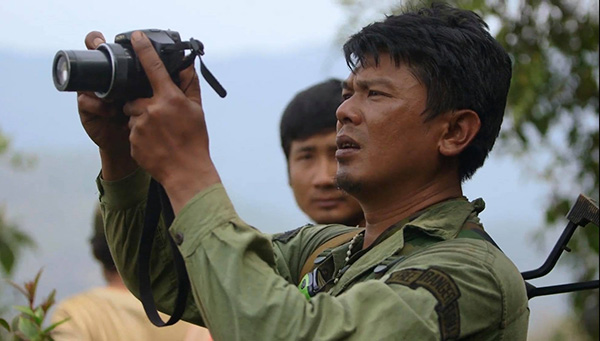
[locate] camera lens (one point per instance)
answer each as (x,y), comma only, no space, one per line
(82,70)
(62,70)
(110,71)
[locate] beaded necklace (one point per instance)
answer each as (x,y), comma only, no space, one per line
(341,271)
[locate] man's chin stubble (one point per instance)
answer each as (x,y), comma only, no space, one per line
(348,185)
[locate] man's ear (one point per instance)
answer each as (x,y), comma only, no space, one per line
(461,128)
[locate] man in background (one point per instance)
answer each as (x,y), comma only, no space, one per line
(110,312)
(307,131)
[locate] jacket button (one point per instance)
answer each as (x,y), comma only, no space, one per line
(178,238)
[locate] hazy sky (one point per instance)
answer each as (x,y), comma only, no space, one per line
(225,27)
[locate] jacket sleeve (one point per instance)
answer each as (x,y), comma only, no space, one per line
(123,206)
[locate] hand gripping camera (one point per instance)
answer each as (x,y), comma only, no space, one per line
(113,71)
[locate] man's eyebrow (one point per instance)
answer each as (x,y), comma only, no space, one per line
(365,84)
(303,149)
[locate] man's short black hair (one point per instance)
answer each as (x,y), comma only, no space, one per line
(311,111)
(451,52)
(100,244)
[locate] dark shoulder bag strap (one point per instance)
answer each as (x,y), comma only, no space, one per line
(476,231)
(329,244)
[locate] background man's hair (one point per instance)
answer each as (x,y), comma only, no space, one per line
(100,245)
(451,52)
(310,112)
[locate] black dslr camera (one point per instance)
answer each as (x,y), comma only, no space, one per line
(113,71)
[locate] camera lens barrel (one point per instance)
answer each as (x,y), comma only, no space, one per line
(112,71)
(123,73)
(82,70)
(107,71)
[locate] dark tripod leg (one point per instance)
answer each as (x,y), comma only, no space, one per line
(533,291)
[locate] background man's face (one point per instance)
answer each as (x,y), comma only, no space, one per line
(312,168)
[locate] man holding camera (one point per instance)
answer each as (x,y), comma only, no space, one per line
(422,108)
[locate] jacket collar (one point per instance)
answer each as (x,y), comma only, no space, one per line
(444,220)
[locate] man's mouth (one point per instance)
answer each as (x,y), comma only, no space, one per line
(345,142)
(346,147)
(327,202)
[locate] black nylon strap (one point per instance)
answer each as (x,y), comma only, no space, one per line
(197,51)
(157,199)
(211,80)
(476,231)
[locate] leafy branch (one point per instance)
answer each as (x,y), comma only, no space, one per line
(29,323)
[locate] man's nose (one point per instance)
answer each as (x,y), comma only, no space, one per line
(348,113)
(324,175)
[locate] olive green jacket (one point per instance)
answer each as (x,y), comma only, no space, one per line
(244,283)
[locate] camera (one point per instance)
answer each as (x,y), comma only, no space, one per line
(113,71)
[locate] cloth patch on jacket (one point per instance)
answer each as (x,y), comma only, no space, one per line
(287,236)
(443,288)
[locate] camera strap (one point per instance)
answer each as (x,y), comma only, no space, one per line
(197,51)
(159,201)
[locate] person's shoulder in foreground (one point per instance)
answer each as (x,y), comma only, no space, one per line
(106,314)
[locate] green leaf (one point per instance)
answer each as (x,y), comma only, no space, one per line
(22,238)
(4,324)
(29,329)
(4,143)
(39,316)
(20,336)
(15,323)
(7,257)
(54,325)
(49,301)
(25,310)
(32,286)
